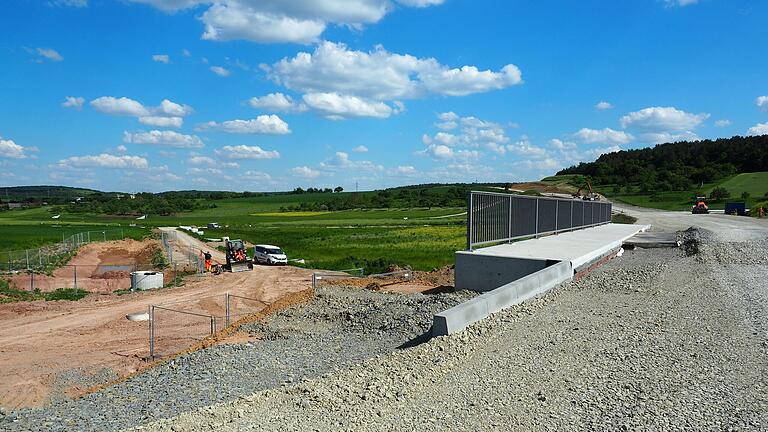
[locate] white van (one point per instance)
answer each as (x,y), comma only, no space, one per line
(268,254)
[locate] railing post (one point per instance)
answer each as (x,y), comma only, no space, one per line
(470,221)
(537,219)
(509,237)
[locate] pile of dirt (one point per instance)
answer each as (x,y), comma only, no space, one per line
(440,277)
(112,274)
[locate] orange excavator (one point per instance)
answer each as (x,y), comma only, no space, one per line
(591,196)
(701,206)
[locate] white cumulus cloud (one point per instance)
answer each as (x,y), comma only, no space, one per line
(336,106)
(381,75)
(105,160)
(10,150)
(161,58)
(220,71)
(656,119)
(163,138)
(305,171)
(762,102)
(758,129)
(246,152)
(159,121)
(272,21)
(663,124)
(276,102)
(73,102)
(603,105)
(168,114)
(603,136)
(722,123)
(119,106)
(360,149)
(263,124)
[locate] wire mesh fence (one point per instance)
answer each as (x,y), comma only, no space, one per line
(103,278)
(174,327)
(52,256)
(498,217)
(320,278)
(178,253)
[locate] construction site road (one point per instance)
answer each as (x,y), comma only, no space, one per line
(730,228)
(658,339)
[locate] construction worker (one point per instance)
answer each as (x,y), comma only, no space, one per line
(208,260)
(240,255)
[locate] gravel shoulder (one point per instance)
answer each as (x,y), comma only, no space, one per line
(341,327)
(654,340)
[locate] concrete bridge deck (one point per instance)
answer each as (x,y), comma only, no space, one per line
(509,274)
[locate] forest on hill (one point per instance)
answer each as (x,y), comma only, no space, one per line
(677,166)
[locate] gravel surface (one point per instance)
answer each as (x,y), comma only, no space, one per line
(655,340)
(338,329)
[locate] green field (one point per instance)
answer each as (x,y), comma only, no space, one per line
(424,238)
(755,184)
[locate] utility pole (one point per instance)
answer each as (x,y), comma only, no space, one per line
(356,186)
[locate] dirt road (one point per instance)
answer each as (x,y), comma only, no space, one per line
(184,245)
(41,342)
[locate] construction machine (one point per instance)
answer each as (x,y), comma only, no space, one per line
(591,196)
(701,206)
(237,258)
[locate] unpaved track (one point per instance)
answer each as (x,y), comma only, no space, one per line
(653,340)
(41,340)
(185,242)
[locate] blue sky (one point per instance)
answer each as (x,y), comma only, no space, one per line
(152,95)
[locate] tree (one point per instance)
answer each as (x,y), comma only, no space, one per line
(719,193)
(338,189)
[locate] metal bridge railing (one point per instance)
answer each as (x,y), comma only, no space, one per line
(499,217)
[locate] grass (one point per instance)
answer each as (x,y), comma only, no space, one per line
(12,295)
(423,238)
(755,184)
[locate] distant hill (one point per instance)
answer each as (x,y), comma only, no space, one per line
(677,166)
(42,193)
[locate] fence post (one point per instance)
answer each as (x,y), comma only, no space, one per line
(151,332)
(226,319)
(27,253)
(74,267)
(31,281)
(470,221)
(213,325)
(557,212)
(571,224)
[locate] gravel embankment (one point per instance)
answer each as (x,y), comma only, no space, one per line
(654,340)
(338,329)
